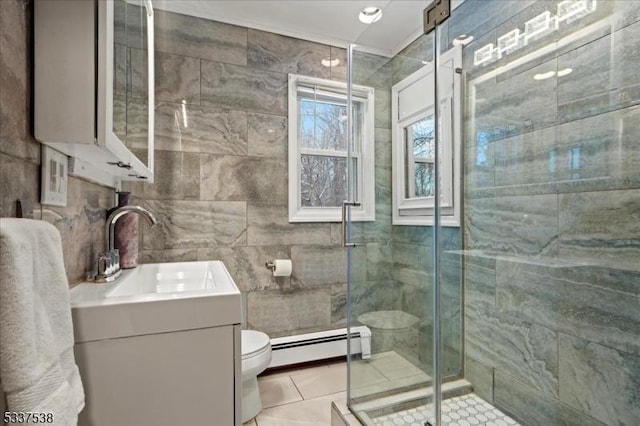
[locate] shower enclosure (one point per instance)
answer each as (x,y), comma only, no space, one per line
(501,276)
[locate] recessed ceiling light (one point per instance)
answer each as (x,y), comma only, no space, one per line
(330,62)
(369,15)
(544,75)
(564,72)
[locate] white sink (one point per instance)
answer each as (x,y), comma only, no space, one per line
(156,298)
(184,279)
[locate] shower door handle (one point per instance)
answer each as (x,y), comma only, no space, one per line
(346,204)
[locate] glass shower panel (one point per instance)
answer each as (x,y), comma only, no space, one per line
(552,178)
(447,232)
(392,285)
(391,279)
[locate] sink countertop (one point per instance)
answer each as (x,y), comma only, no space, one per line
(156,298)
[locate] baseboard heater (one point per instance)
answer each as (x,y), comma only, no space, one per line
(309,347)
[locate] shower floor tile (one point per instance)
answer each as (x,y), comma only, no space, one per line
(393,366)
(384,372)
(462,410)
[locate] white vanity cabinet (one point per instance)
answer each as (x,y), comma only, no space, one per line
(160,346)
(94,86)
(184,377)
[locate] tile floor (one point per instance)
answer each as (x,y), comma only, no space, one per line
(302,396)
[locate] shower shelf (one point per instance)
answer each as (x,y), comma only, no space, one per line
(548,261)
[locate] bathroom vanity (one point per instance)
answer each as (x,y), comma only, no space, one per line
(160,346)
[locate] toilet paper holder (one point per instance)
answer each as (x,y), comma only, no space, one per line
(279,267)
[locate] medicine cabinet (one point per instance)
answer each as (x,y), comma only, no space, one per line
(94,86)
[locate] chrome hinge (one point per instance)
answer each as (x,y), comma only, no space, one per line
(435,14)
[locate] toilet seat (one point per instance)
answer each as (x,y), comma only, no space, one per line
(254,343)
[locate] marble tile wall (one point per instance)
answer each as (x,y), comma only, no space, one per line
(552,195)
(221,160)
(81,222)
(221,127)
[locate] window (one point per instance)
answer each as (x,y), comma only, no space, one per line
(414,144)
(420,158)
(318,158)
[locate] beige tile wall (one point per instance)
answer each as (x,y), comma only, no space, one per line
(221,187)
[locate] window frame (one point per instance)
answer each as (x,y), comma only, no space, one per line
(420,210)
(364,155)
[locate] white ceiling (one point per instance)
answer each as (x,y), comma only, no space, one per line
(332,22)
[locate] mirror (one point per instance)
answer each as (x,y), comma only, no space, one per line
(130,82)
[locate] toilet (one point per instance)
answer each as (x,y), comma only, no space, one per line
(256,356)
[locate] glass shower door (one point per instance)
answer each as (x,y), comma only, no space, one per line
(394,290)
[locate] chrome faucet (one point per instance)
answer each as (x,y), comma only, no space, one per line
(117,214)
(109,262)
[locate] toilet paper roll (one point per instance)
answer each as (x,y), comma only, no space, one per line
(283,268)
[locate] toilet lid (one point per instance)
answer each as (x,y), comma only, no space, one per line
(253,341)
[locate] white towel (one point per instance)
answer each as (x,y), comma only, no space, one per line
(38,372)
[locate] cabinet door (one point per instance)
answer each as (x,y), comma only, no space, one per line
(131,84)
(96,105)
(65,75)
(129,92)
(166,379)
